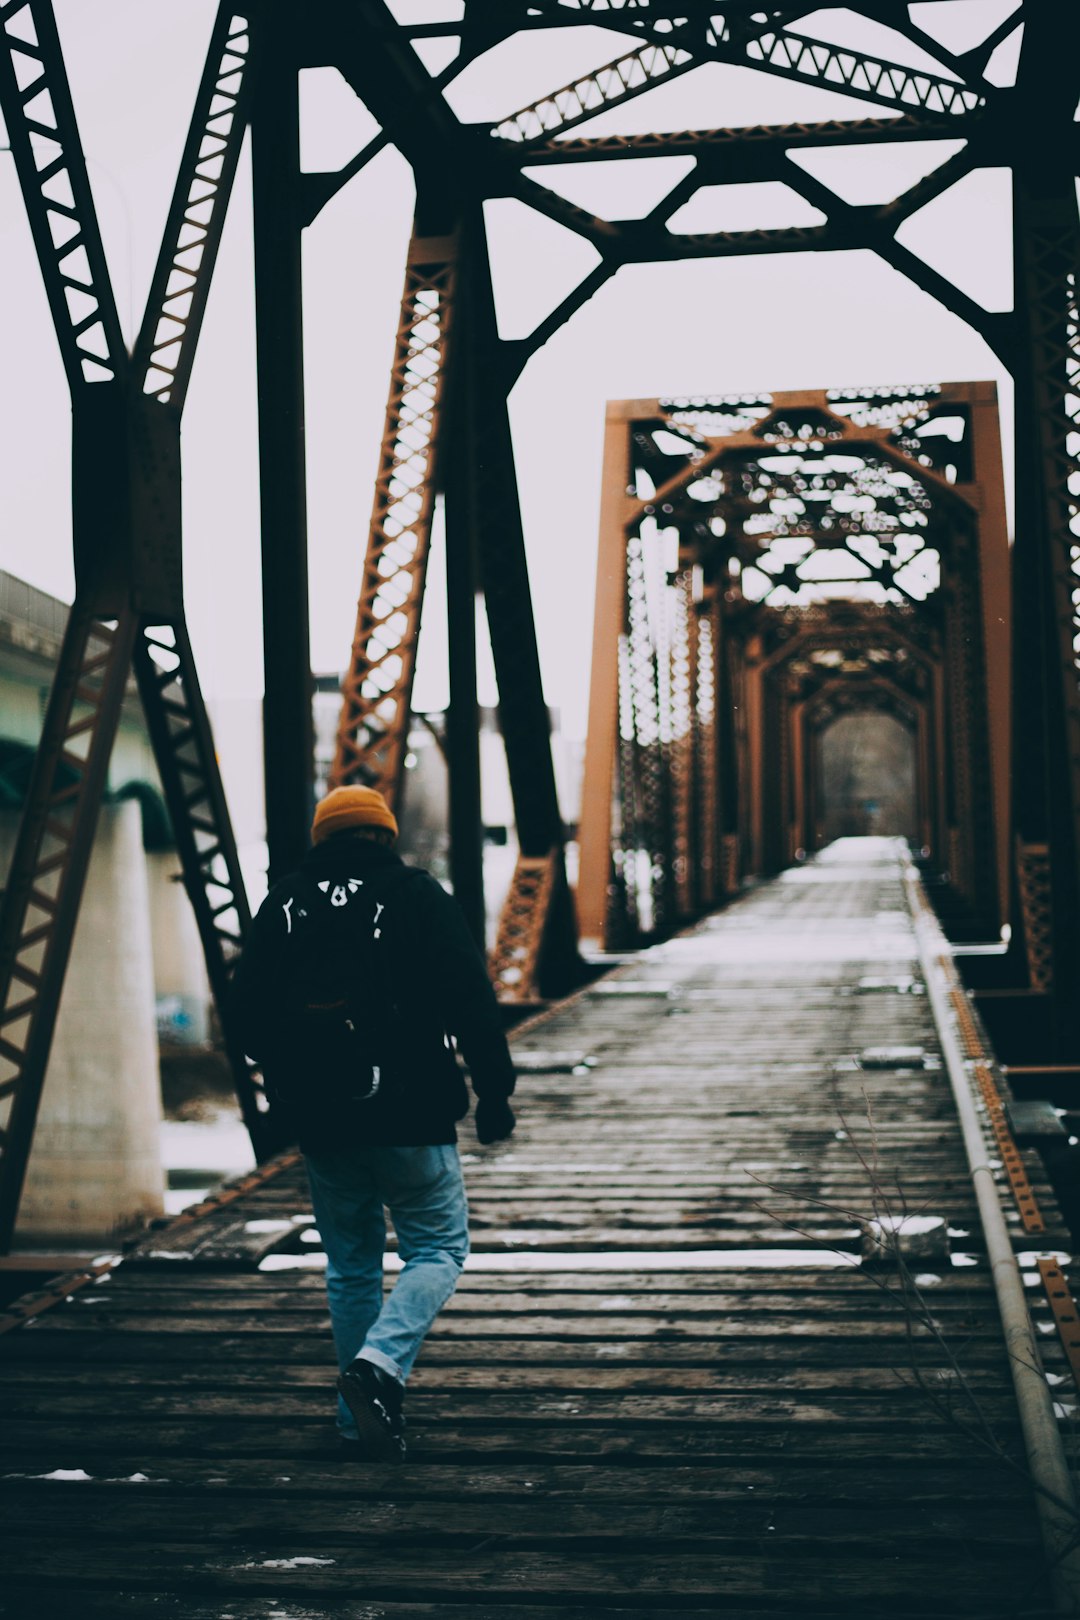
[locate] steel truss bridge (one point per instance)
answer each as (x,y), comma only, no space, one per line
(703,738)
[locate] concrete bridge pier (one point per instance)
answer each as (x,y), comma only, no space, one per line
(95,1168)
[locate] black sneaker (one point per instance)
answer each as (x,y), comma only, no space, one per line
(375,1401)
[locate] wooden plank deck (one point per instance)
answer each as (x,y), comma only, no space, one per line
(657,1390)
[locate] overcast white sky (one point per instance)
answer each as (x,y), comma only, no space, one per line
(786,321)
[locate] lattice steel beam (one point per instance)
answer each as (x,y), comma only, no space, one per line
(746,145)
(165,347)
(377,690)
(889,84)
(126,509)
(184,752)
(612,85)
(1036,912)
(514,965)
(49,159)
(723,34)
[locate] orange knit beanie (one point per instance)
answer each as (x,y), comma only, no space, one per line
(346,807)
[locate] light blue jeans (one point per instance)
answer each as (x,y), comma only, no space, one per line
(423,1189)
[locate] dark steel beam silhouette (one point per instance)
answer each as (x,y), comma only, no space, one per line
(128,565)
(1046,672)
(288,735)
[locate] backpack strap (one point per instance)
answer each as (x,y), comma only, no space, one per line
(339,891)
(347,907)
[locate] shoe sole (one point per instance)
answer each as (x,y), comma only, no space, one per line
(376,1443)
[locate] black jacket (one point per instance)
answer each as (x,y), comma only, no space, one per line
(434,973)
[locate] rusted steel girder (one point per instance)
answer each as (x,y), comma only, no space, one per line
(849,492)
(377,691)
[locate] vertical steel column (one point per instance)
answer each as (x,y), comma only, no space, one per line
(524,719)
(602,743)
(813,786)
(504,572)
(754,721)
(126,521)
(462,737)
(683,671)
(707,783)
(287,706)
(972,781)
(648,727)
(463,520)
(1046,695)
(798,831)
(993,567)
(924,773)
(773,747)
(730,754)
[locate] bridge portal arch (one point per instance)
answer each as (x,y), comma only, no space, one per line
(757,553)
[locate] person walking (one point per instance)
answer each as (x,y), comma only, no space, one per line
(357,972)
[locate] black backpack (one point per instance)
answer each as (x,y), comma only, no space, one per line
(337,1023)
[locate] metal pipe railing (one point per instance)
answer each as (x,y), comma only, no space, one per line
(1047,1464)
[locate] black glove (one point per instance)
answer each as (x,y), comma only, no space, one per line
(494,1119)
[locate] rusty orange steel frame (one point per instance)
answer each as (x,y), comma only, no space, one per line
(718,660)
(713,751)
